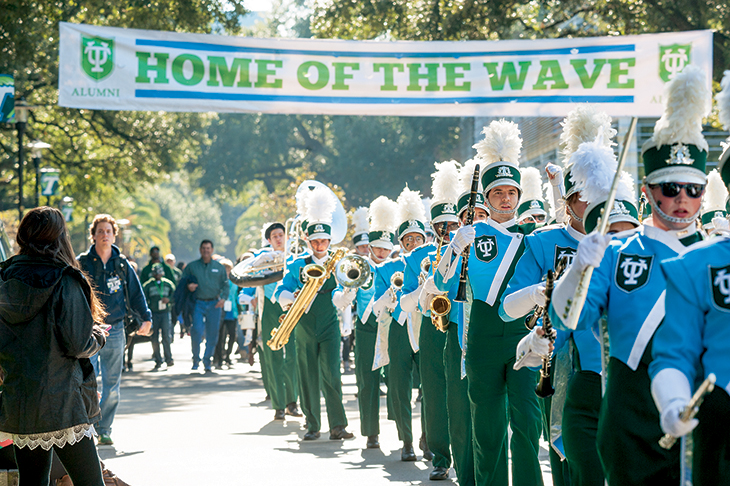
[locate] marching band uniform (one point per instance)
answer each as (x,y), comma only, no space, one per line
(318,332)
(496,390)
(714,215)
(279,367)
(628,285)
(544,249)
(694,342)
(431,340)
(366,326)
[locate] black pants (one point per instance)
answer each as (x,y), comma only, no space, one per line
(80,460)
(227,329)
(347,347)
(712,441)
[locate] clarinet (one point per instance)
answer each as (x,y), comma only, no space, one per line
(461,291)
(544,388)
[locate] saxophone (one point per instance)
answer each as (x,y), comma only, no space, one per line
(316,276)
(440,305)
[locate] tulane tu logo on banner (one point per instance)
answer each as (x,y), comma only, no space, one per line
(672,59)
(97,57)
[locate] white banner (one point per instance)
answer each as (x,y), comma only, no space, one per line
(109,68)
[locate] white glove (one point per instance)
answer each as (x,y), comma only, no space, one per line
(520,303)
(428,291)
(344,298)
(245,299)
(590,251)
(671,391)
(464,237)
(555,174)
(285,299)
(531,349)
(722,225)
(383,304)
(392,300)
(409,302)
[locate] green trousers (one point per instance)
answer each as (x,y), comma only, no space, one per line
(559,469)
(580,425)
(498,394)
(318,356)
(264,370)
(368,381)
(431,343)
(281,365)
(629,431)
(457,404)
(400,379)
(711,457)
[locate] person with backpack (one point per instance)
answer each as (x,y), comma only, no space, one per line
(121,293)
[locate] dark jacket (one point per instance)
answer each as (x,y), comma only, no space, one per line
(107,282)
(46,337)
(183,299)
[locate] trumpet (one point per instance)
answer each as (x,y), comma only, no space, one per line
(396,283)
(440,305)
(425,270)
(352,271)
(316,276)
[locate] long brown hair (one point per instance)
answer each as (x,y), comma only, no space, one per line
(43,232)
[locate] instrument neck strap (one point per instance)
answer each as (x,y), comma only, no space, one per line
(655,207)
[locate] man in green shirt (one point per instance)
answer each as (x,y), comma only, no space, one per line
(210,293)
(159,291)
(155,258)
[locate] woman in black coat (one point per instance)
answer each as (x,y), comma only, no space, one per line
(48,330)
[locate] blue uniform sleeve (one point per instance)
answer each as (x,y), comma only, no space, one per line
(136,297)
(410,272)
(446,285)
(529,271)
(382,281)
(290,282)
(678,341)
(597,298)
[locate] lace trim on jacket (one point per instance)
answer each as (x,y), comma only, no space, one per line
(47,440)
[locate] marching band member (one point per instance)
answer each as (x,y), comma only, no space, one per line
(318,332)
(628,286)
(532,207)
(496,391)
(382,214)
(280,366)
(457,396)
(693,342)
(544,249)
(431,340)
(714,215)
(402,356)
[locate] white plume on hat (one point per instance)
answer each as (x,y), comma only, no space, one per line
(383,215)
(531,183)
(583,124)
(301,200)
(320,204)
(687,100)
(715,194)
(548,188)
(723,101)
(410,206)
(594,167)
(426,201)
(446,187)
(360,220)
(501,143)
(466,174)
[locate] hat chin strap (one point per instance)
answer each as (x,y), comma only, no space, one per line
(492,209)
(572,213)
(666,217)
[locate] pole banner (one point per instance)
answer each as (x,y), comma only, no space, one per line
(109,68)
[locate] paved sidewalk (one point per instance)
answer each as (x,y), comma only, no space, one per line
(179,427)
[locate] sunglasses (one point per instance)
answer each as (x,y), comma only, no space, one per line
(672,189)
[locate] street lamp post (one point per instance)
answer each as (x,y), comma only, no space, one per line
(22,112)
(36,149)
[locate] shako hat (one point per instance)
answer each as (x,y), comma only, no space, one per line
(583,124)
(361,226)
(500,151)
(532,203)
(321,205)
(445,191)
(714,200)
(723,106)
(465,177)
(411,214)
(677,152)
(383,215)
(594,167)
